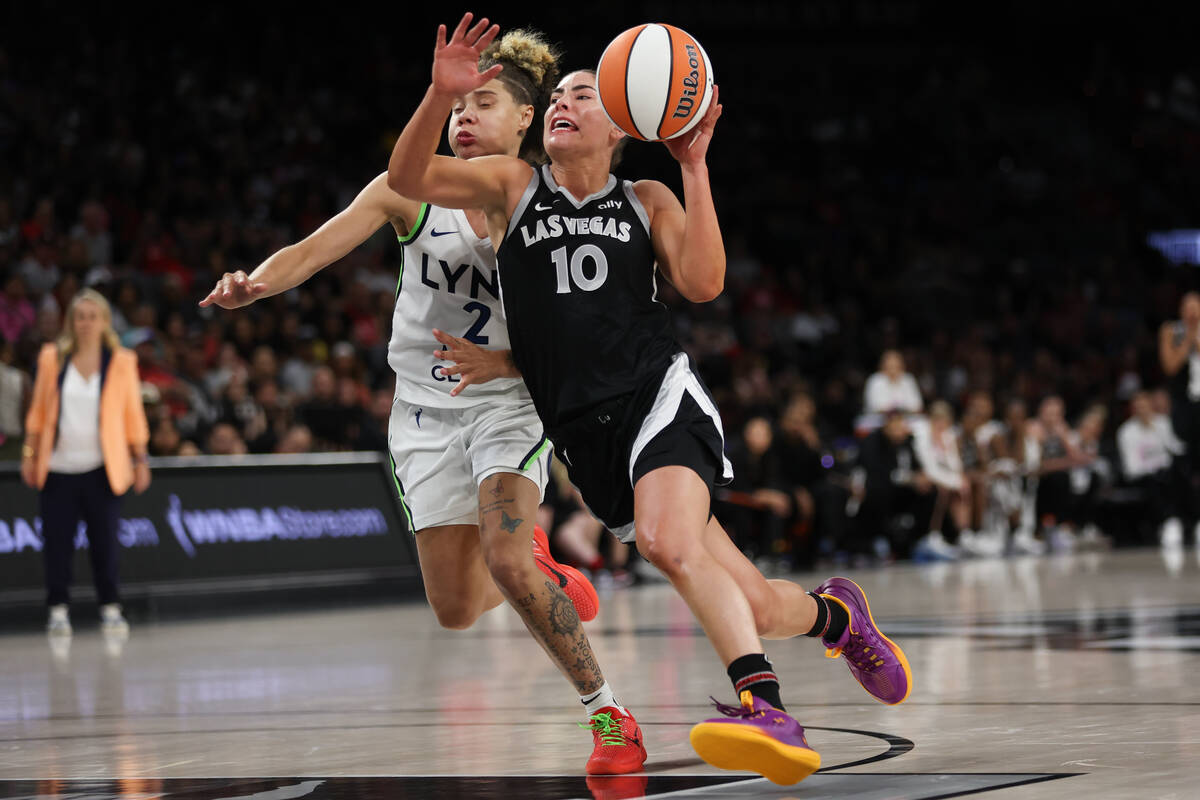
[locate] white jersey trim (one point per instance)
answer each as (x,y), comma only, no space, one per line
(678,379)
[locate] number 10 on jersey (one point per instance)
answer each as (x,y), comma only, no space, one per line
(572,270)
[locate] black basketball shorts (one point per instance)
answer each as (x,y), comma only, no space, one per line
(669,422)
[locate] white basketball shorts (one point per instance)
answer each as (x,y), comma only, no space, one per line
(441,455)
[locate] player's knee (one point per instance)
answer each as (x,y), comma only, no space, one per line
(663,551)
(510,570)
(453,613)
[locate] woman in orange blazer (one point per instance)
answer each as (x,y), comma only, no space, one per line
(85,446)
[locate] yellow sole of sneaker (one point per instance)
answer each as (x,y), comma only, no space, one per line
(895,650)
(738,747)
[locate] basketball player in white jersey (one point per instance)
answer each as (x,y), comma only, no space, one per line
(471,467)
(578,252)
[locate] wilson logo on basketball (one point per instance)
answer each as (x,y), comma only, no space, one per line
(655,82)
(691,82)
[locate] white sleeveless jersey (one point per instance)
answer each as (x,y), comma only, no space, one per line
(448,280)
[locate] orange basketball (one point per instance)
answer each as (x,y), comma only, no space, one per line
(655,82)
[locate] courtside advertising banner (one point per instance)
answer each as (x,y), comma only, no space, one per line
(215,517)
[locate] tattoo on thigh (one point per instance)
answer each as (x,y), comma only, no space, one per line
(498,489)
(508,523)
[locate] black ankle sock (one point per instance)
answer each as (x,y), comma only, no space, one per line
(754,673)
(832,619)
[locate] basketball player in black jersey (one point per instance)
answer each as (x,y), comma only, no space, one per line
(578,255)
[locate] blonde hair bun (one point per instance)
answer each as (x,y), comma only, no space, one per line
(528,51)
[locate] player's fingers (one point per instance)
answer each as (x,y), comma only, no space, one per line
(440,41)
(492,72)
(462,27)
(456,369)
(476,31)
(487,37)
(443,337)
(462,384)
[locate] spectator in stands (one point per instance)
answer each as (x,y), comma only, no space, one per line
(940,459)
(14,395)
(891,388)
(1148,448)
(975,442)
(224,440)
(16,312)
(1057,458)
(323,414)
(297,439)
(895,498)
(803,469)
(1014,479)
(758,510)
(1089,477)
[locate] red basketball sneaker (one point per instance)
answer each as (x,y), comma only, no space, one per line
(618,743)
(572,581)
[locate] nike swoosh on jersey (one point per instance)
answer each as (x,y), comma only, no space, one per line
(436,232)
(539,207)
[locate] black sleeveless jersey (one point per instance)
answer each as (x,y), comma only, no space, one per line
(578,283)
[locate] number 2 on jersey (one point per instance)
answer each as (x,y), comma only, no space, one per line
(575,267)
(485,313)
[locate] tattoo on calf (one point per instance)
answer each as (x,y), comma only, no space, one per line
(564,620)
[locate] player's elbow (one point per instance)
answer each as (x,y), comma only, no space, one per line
(402,182)
(705,290)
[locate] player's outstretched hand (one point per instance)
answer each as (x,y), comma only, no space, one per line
(456,62)
(472,363)
(234,290)
(691,148)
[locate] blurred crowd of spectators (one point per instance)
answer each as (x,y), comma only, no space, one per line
(927,246)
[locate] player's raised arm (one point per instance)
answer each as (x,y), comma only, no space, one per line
(414,169)
(291,266)
(688,244)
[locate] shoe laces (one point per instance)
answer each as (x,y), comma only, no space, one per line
(609,729)
(858,653)
(745,710)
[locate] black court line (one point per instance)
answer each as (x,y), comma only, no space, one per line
(535,787)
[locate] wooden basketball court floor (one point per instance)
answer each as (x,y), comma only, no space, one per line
(1034,678)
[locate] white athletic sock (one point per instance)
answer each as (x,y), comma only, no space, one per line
(601,698)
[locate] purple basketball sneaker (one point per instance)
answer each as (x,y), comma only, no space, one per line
(757,737)
(874,660)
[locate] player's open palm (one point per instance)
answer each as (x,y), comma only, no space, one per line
(456,62)
(692,147)
(234,290)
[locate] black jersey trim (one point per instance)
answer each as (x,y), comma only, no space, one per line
(554,187)
(422,216)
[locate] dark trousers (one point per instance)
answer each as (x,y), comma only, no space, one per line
(64,501)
